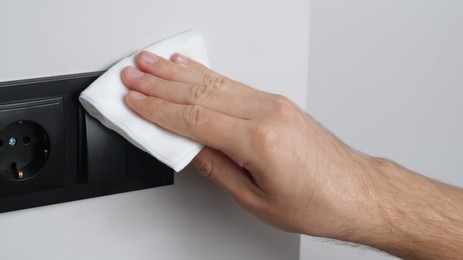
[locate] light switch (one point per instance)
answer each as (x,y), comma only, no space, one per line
(105,152)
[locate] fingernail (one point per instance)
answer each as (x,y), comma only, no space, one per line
(134,73)
(182,59)
(137,95)
(149,58)
(202,172)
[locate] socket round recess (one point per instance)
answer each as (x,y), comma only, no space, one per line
(24,149)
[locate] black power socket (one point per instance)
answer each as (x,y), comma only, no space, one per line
(52,151)
(27,150)
(28,130)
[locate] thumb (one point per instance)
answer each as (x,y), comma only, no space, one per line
(227,174)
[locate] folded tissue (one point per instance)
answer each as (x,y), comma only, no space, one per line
(104,99)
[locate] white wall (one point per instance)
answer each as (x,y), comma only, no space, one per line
(193,219)
(386,76)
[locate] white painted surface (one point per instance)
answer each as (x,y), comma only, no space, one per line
(264,44)
(386,76)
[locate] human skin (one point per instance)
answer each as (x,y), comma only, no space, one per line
(284,167)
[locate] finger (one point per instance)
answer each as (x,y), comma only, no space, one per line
(226,173)
(219,131)
(160,67)
(211,76)
(242,105)
(185,61)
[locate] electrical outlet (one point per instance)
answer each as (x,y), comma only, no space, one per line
(27,150)
(28,131)
(52,151)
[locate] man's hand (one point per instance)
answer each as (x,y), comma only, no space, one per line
(276,161)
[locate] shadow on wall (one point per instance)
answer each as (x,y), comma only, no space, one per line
(194,202)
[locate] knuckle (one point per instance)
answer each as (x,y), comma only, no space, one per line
(200,93)
(214,81)
(265,137)
(194,115)
(284,108)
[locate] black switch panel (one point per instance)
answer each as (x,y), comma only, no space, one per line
(52,151)
(105,152)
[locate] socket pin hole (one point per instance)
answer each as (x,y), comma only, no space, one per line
(1,143)
(14,167)
(26,139)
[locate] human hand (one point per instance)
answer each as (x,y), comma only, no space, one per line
(276,161)
(282,166)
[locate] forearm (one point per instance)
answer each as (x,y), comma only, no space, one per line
(416,217)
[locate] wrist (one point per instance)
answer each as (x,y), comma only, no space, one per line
(349,199)
(398,204)
(362,215)
(373,208)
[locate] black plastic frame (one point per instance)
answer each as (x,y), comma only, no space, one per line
(81,176)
